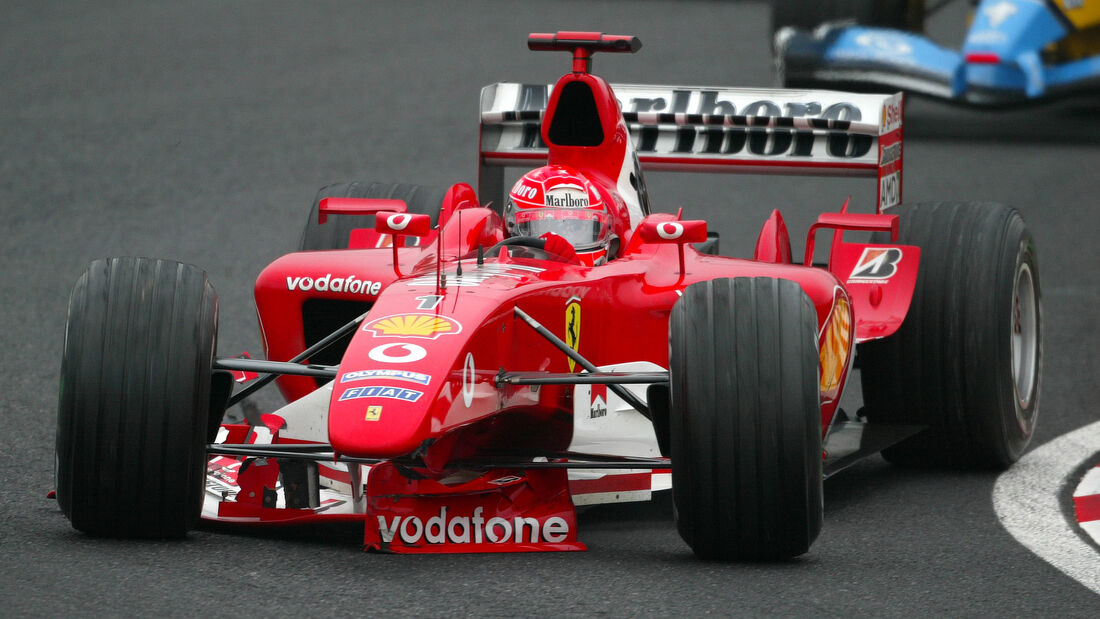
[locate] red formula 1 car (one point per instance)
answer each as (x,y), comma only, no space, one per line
(459,378)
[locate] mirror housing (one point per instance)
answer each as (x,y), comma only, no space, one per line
(356,206)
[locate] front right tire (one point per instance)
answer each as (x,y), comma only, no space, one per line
(745,419)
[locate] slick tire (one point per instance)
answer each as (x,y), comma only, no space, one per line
(808,14)
(968,359)
(134,402)
(745,419)
(335,232)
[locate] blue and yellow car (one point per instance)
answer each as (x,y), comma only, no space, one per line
(1015,51)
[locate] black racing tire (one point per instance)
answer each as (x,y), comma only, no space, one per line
(968,359)
(334,233)
(808,14)
(134,401)
(745,419)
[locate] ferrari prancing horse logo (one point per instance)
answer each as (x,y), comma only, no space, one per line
(573,327)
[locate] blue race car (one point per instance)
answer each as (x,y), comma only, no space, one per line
(1015,51)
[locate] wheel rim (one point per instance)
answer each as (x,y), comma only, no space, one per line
(1025,343)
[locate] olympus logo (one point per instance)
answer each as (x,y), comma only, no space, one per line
(472,529)
(412,377)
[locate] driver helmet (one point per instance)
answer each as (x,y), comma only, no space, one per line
(561,200)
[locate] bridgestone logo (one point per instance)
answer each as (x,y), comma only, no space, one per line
(465,530)
(328,283)
(876,264)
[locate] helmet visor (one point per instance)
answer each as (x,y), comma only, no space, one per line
(584,229)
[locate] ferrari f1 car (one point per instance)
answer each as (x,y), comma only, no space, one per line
(1015,51)
(461,376)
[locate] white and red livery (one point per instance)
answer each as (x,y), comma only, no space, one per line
(480,384)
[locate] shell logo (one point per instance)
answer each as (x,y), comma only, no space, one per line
(424,326)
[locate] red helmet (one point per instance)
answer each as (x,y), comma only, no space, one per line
(561,200)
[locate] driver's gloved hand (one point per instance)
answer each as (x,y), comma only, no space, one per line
(557,244)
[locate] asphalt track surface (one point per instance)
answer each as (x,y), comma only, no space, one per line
(200,131)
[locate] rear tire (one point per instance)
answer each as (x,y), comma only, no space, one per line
(968,359)
(809,14)
(335,232)
(134,403)
(745,419)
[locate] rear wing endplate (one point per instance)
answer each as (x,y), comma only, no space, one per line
(701,129)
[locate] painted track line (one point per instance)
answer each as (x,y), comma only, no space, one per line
(1026,499)
(1086,502)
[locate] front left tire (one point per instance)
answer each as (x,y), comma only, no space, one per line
(134,402)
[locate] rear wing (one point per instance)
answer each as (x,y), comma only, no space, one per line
(700,129)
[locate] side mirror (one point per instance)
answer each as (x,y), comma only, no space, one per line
(678,232)
(402,224)
(399,225)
